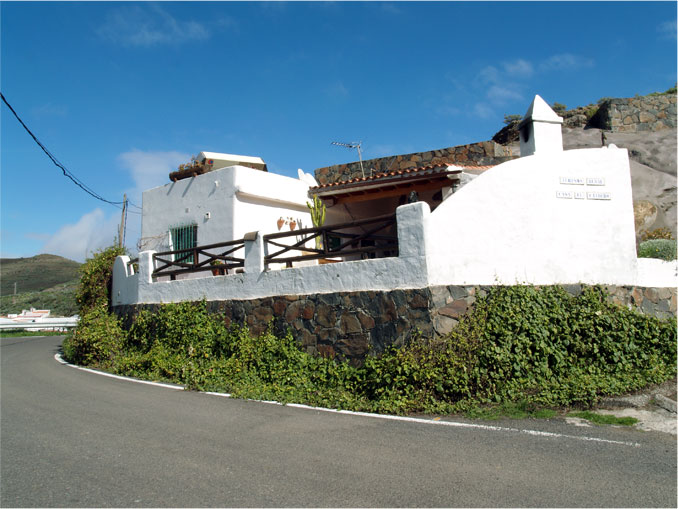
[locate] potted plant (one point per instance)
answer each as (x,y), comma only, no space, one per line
(216,271)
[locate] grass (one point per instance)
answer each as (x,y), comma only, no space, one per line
(601,419)
(60,300)
(42,282)
(510,410)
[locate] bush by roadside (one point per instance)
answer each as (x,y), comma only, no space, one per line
(528,345)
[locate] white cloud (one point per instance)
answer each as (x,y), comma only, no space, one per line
(149,26)
(519,67)
(447,110)
(390,8)
(77,241)
(565,62)
(489,74)
(150,169)
(483,110)
(501,84)
(668,30)
(502,95)
(337,90)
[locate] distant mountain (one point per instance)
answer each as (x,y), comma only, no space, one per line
(36,273)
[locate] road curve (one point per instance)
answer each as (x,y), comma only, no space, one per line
(74,438)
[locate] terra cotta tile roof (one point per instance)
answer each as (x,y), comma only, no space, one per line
(429,169)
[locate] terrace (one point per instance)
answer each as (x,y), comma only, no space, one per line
(522,221)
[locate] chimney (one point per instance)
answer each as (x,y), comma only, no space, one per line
(540,130)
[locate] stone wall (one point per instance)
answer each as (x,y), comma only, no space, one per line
(348,325)
(636,114)
(485,153)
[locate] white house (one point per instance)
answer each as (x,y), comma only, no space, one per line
(221,204)
(549,217)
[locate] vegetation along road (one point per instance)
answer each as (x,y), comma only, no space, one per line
(74,438)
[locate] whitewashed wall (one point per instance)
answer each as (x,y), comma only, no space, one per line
(534,220)
(125,282)
(653,272)
(237,199)
(406,271)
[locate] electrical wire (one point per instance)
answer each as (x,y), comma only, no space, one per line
(65,171)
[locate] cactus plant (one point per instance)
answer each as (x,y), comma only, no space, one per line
(317,217)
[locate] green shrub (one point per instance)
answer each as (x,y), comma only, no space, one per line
(185,328)
(521,346)
(96,276)
(670,91)
(530,345)
(559,107)
(512,119)
(663,249)
(96,341)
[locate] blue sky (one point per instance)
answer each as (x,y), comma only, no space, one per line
(123,92)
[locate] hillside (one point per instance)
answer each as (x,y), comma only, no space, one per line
(36,273)
(60,300)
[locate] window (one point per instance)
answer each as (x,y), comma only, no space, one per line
(184,237)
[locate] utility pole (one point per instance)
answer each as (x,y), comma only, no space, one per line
(14,297)
(123,219)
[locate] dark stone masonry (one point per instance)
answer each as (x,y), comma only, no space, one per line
(637,114)
(349,325)
(485,153)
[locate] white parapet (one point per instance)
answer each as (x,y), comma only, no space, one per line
(657,273)
(125,282)
(408,270)
(543,219)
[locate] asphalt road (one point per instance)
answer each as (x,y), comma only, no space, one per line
(74,438)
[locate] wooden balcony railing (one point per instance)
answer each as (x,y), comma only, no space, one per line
(198,259)
(134,263)
(377,239)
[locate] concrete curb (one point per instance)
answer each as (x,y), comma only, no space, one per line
(665,403)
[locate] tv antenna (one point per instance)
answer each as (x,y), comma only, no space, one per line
(353,145)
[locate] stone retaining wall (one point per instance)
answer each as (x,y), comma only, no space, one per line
(485,153)
(348,325)
(636,114)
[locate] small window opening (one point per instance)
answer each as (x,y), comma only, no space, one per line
(184,237)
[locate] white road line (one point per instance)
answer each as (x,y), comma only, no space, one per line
(118,377)
(418,420)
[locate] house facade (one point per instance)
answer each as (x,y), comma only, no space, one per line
(399,251)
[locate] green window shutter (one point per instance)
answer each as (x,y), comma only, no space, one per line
(184,237)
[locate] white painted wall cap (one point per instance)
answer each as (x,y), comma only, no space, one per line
(230,157)
(540,111)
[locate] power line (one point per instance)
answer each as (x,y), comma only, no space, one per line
(56,162)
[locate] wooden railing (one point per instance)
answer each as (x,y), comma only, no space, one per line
(373,241)
(198,259)
(134,263)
